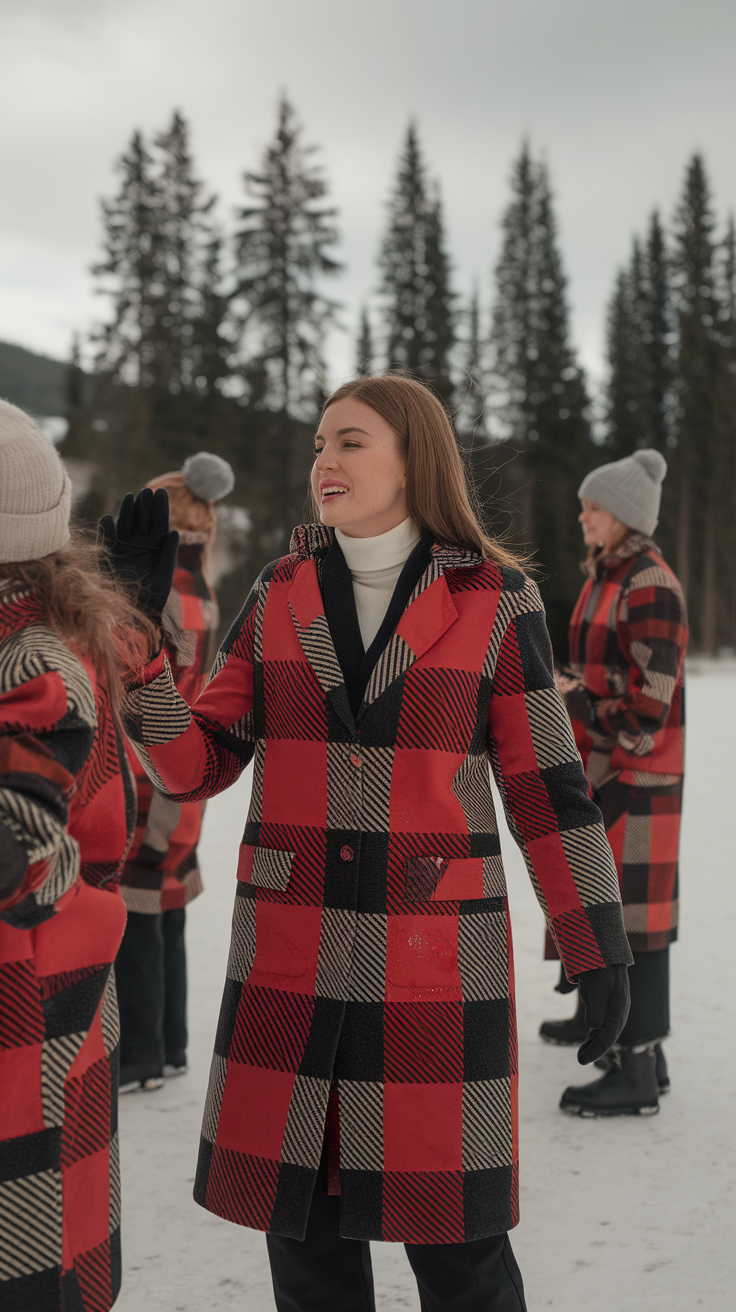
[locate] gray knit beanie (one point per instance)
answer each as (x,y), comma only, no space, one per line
(208,476)
(35,491)
(630,489)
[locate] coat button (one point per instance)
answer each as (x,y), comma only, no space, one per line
(356,760)
(346,853)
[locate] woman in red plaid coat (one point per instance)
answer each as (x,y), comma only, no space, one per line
(161,876)
(625,693)
(364,1078)
(67,810)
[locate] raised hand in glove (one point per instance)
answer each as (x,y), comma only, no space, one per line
(606,998)
(142,549)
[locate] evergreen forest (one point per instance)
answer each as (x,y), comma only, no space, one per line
(215,338)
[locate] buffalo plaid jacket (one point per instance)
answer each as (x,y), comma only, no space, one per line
(162,869)
(63,808)
(628,639)
(371,949)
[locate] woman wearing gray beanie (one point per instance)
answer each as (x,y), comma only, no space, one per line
(625,693)
(68,636)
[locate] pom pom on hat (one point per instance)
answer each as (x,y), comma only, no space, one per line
(208,476)
(654,463)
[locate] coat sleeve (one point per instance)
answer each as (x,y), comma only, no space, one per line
(47,728)
(191,753)
(652,633)
(545,792)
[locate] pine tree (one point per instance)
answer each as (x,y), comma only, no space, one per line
(282,254)
(471,417)
(415,282)
(187,247)
(364,349)
(538,394)
(725,414)
(698,455)
(129,272)
(658,339)
(640,360)
(626,385)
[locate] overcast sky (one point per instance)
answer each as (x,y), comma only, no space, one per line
(616,93)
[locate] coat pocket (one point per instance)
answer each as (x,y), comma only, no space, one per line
(267,867)
(444,879)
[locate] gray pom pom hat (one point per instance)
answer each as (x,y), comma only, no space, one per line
(35,491)
(208,476)
(630,489)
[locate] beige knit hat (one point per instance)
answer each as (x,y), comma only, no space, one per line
(35,491)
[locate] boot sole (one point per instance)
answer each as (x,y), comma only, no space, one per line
(643,1109)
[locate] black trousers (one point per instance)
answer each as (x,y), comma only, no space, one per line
(151,977)
(324,1273)
(649,1017)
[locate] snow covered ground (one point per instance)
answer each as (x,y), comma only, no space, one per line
(632,1214)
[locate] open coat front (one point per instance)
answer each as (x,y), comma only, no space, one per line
(371,947)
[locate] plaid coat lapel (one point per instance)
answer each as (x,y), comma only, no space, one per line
(308,614)
(430,613)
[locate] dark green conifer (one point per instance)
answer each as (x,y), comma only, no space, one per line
(698,457)
(471,417)
(130,269)
(282,254)
(538,395)
(364,349)
(415,268)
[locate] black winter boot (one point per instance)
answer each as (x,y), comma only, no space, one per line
(663,1079)
(567,1033)
(628,1088)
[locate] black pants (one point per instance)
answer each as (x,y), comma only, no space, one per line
(649,1017)
(151,976)
(324,1273)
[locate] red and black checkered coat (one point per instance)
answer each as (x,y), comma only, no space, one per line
(628,639)
(162,869)
(63,807)
(371,947)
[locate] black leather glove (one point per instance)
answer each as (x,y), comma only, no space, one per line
(606,998)
(142,549)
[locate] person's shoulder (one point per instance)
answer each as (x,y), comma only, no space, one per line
(649,569)
(38,658)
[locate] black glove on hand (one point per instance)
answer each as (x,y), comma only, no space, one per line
(142,549)
(606,998)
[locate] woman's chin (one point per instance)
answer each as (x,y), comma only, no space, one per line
(334,515)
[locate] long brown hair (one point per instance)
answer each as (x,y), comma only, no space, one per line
(438,493)
(90,611)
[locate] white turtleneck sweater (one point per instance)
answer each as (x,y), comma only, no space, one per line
(375,564)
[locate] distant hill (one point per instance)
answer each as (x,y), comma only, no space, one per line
(34,382)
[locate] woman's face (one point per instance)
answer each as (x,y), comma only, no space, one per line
(600,527)
(359,473)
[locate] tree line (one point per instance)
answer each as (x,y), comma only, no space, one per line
(218,340)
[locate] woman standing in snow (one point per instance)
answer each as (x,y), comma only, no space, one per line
(161,875)
(625,694)
(364,1078)
(68,634)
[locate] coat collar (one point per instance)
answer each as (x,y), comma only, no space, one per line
(429,614)
(633,545)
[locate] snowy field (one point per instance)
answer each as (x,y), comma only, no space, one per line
(635,1215)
